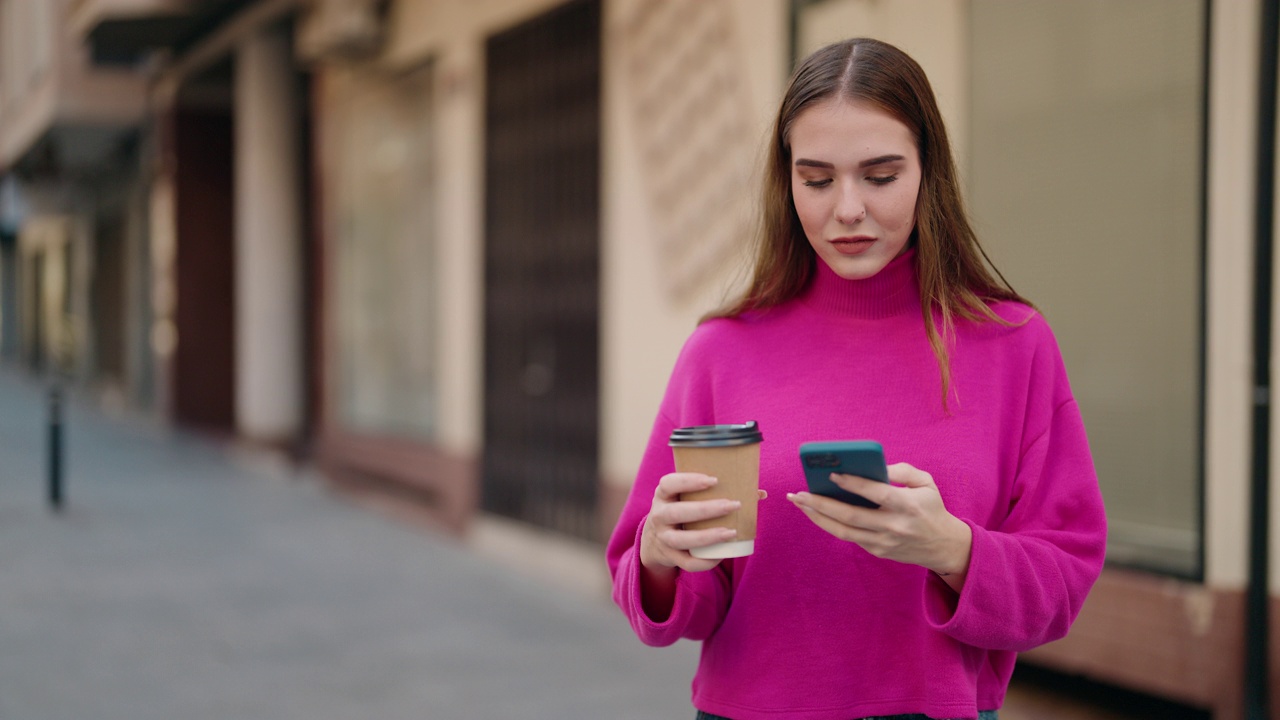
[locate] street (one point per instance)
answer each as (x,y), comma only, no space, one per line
(188,580)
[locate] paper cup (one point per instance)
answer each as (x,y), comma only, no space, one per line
(731,454)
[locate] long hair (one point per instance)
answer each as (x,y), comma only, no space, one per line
(955,275)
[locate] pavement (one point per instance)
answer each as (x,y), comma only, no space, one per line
(192,579)
(189,578)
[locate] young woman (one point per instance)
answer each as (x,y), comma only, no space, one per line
(872,314)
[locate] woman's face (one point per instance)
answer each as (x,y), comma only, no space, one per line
(855,175)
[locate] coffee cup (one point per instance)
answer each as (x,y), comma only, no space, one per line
(731,454)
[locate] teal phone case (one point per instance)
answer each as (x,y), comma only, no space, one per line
(864,458)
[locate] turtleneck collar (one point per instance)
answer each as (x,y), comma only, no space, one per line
(892,291)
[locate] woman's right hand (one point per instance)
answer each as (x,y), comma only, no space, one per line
(664,544)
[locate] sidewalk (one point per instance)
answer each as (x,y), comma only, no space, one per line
(191,580)
(188,582)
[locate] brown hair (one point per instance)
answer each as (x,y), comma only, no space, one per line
(955,275)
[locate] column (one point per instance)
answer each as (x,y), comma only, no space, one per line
(268,242)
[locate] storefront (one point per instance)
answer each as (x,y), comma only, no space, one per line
(501,283)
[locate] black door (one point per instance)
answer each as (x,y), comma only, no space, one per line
(542,145)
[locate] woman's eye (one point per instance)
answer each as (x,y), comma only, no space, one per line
(882,179)
(817,183)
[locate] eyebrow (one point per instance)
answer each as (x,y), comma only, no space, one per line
(881,160)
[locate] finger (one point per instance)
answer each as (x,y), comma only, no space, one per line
(686,511)
(672,485)
(689,539)
(908,475)
(873,490)
(835,527)
(841,512)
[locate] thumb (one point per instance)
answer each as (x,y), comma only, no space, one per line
(908,475)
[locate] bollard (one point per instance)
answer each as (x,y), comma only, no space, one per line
(55,448)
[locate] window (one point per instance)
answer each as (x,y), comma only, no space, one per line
(384,269)
(1086,185)
(1080,132)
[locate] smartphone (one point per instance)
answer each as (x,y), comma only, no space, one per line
(864,458)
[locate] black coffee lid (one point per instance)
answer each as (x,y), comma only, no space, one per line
(716,435)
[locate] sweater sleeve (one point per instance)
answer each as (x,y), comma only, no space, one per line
(1029,574)
(702,598)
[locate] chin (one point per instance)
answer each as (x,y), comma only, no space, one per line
(856,268)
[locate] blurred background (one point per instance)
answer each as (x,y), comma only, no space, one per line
(440,255)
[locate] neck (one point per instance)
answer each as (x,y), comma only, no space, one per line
(892,291)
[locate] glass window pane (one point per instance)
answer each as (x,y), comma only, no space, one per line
(1085,182)
(383,264)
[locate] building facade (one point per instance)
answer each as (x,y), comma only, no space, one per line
(72,224)
(451,249)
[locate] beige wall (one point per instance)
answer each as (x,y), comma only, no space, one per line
(46,78)
(28,95)
(459,229)
(1230,248)
(269,315)
(27,67)
(646,315)
(437,28)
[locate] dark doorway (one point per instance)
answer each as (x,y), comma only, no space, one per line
(204,361)
(542,146)
(108,299)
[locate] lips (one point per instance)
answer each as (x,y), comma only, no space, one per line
(853,245)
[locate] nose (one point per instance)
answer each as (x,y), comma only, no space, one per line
(850,208)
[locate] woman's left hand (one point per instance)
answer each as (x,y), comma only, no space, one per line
(911,525)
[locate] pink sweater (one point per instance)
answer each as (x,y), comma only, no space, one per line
(812,627)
